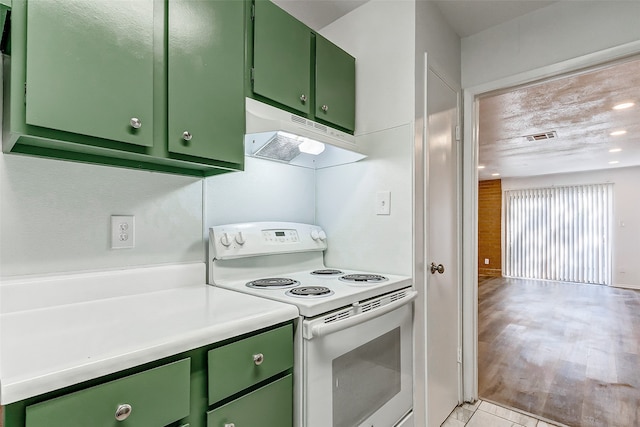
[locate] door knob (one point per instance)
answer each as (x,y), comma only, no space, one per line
(439,268)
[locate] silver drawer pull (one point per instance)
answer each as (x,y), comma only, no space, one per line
(258,359)
(135,123)
(123,412)
(229,425)
(186,135)
(325,108)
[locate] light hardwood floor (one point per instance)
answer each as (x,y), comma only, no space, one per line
(567,352)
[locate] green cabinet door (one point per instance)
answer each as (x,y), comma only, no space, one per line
(335,85)
(206,79)
(90,68)
(281,57)
(269,406)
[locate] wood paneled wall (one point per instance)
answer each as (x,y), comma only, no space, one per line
(489,228)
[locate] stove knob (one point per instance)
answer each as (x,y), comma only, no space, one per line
(323,235)
(315,235)
(225,240)
(240,238)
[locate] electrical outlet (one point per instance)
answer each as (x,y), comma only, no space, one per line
(486,261)
(383,203)
(123,231)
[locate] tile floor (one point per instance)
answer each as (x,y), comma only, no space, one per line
(486,414)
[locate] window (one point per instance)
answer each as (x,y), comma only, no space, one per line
(559,233)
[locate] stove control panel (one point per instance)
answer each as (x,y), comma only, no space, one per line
(264,238)
(280,236)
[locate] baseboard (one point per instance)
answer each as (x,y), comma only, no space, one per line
(635,287)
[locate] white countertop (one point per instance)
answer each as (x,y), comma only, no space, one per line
(47,348)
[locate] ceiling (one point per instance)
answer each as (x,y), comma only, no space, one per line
(579,108)
(466,17)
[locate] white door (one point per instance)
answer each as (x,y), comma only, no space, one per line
(442,225)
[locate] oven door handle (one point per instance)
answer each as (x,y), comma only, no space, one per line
(329,328)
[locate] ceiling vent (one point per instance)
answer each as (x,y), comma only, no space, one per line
(541,136)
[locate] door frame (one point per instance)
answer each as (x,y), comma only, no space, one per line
(470,192)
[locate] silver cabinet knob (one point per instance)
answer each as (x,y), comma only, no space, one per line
(186,135)
(229,425)
(325,108)
(123,412)
(258,359)
(303,98)
(439,268)
(135,123)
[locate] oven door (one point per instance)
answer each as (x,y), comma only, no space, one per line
(358,370)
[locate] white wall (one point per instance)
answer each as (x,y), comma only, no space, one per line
(561,31)
(435,36)
(380,34)
(55,216)
(265,191)
(358,238)
(626,209)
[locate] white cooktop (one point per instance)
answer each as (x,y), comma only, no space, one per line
(240,253)
(344,294)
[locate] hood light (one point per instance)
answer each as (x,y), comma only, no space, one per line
(305,145)
(311,146)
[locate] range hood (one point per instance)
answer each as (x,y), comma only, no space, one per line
(277,135)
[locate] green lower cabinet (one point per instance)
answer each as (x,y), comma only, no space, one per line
(212,385)
(157,397)
(269,406)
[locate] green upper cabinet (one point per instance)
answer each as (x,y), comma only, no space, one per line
(147,84)
(281,57)
(298,70)
(206,79)
(90,68)
(335,100)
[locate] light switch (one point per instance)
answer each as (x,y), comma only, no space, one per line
(383,203)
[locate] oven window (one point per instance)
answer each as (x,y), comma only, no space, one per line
(365,379)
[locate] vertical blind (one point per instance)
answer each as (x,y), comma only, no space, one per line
(559,233)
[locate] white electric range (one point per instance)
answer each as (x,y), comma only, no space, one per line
(353,340)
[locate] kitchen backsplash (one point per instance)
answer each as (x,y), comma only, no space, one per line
(55,215)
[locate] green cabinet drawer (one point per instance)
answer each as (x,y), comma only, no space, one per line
(157,397)
(232,368)
(335,85)
(281,57)
(269,406)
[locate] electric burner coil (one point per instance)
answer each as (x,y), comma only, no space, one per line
(273,283)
